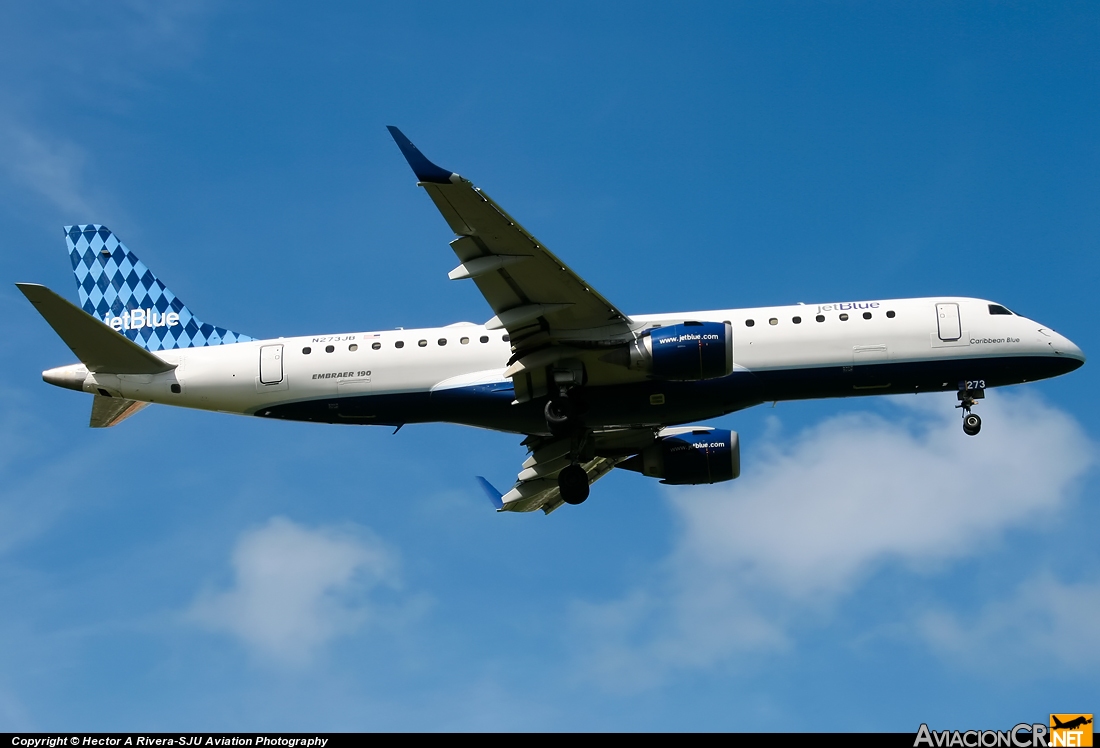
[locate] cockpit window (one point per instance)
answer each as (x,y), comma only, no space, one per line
(998,309)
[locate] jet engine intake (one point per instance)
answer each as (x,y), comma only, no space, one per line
(687,352)
(701,456)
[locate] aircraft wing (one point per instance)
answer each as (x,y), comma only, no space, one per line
(542,304)
(536,485)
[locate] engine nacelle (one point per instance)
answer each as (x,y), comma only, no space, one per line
(693,458)
(686,352)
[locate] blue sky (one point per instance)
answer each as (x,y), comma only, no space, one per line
(872,569)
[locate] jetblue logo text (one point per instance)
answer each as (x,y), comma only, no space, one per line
(847,306)
(135,319)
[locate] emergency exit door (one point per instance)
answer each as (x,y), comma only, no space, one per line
(271,364)
(947,316)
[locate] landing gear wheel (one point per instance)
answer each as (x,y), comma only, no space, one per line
(968,398)
(573,484)
(560,416)
(972,424)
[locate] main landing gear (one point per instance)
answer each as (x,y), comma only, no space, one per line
(563,419)
(561,415)
(968,397)
(573,484)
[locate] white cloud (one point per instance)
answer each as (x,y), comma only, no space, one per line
(50,167)
(296,588)
(14,714)
(813,517)
(143,37)
(39,484)
(1046,627)
(858,490)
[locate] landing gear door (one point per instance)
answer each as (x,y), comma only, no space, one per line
(947,317)
(271,364)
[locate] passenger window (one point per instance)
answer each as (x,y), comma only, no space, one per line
(376,346)
(484,338)
(443,341)
(353,347)
(866,315)
(890,314)
(506,338)
(307,350)
(422,343)
(464,341)
(330,348)
(796,320)
(399,344)
(176,389)
(820,318)
(844,318)
(773,321)
(750,322)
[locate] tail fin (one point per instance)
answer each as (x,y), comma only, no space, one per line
(117,288)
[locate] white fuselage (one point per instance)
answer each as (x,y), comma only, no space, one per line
(915,342)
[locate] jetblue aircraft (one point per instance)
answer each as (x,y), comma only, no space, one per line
(590,387)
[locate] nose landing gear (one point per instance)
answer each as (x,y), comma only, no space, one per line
(972,424)
(968,397)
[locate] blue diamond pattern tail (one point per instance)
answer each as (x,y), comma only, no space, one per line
(117,288)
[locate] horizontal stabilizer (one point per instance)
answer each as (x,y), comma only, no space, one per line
(109,411)
(97,346)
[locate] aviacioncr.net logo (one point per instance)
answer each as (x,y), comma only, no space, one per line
(1022,735)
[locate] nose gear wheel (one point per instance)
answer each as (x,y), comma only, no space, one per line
(972,424)
(968,398)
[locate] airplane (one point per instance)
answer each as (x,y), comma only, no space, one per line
(1073,724)
(589,387)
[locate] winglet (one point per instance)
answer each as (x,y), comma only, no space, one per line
(424,169)
(494,495)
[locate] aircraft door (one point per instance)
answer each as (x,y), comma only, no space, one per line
(271,364)
(947,317)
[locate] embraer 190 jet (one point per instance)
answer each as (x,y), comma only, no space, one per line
(590,387)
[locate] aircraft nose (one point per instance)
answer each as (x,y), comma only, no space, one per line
(1063,346)
(1066,347)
